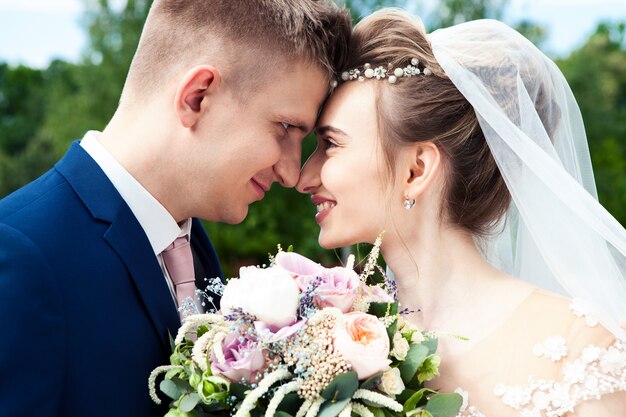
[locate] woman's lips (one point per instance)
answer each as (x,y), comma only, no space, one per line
(323,209)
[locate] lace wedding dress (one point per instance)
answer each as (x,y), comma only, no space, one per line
(547,360)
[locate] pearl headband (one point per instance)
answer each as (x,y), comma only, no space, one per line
(392,75)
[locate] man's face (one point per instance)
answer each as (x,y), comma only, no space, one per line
(255,141)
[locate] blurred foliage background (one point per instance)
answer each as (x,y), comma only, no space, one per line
(43,110)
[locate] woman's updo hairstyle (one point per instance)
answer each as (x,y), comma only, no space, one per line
(430,108)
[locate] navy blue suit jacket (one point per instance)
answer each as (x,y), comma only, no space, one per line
(84,308)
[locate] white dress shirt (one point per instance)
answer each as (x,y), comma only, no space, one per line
(158,224)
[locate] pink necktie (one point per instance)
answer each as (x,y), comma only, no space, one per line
(179,263)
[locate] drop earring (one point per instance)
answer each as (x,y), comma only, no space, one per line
(408,202)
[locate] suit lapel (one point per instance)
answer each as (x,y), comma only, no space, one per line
(124,235)
(128,239)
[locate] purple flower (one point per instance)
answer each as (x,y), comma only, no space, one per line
(245,359)
(338,286)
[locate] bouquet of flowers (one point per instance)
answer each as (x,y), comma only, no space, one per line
(296,339)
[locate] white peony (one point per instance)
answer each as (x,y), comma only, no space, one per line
(269,294)
(391,382)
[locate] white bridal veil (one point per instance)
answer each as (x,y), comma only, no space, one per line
(555,235)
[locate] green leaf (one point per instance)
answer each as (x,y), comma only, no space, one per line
(282,414)
(381,310)
(371,381)
(189,402)
(377,412)
(419,412)
(411,403)
(342,387)
(290,404)
(171,339)
(239,390)
(444,405)
(405,395)
(169,388)
(431,343)
(172,373)
(331,409)
(414,359)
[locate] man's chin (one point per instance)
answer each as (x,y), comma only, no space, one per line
(236,217)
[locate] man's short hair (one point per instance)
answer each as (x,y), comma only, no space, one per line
(246,38)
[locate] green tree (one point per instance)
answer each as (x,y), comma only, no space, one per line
(596,73)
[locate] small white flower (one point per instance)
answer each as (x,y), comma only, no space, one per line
(417,337)
(613,361)
(401,323)
(400,347)
(391,382)
(574,371)
(553,348)
(591,353)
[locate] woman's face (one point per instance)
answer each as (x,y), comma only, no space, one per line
(346,175)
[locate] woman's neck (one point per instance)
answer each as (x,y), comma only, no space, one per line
(441,272)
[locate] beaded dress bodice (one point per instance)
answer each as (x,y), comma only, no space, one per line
(546,360)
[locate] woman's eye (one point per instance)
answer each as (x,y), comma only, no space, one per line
(327,143)
(286,125)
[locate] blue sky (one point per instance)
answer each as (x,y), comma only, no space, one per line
(33,32)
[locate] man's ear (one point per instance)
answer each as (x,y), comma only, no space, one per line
(191,98)
(422,169)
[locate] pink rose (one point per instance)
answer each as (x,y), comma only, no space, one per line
(270,334)
(338,287)
(245,359)
(375,294)
(362,340)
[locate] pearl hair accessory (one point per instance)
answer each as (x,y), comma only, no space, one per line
(391,74)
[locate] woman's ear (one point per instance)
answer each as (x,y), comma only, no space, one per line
(423,166)
(192,95)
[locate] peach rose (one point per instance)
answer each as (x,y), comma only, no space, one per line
(362,340)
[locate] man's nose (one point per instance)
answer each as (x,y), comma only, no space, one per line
(287,169)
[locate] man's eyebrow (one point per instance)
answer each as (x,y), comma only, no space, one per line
(322,130)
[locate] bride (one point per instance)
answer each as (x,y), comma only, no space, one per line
(467,148)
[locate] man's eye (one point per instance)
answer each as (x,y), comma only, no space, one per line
(285,125)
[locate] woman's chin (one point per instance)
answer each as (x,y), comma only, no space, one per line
(327,241)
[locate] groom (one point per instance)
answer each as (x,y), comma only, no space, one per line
(217,100)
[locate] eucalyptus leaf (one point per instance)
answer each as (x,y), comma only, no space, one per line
(189,402)
(342,387)
(431,343)
(331,409)
(444,405)
(172,373)
(372,381)
(414,359)
(169,388)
